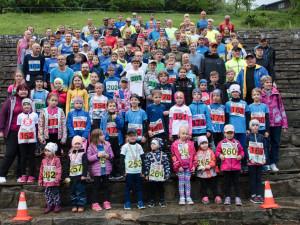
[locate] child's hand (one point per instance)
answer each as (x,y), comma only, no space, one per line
(203,169)
(92,122)
(208,134)
(222,157)
(1,135)
(239,158)
(67,180)
(266,134)
(82,178)
(125,174)
(142,175)
(144,139)
(83,139)
(263,162)
(181,169)
(284,130)
(147,177)
(193,169)
(166,113)
(106,156)
(248,132)
(252,161)
(45,84)
(99,154)
(207,167)
(43,142)
(170,139)
(114,116)
(150,133)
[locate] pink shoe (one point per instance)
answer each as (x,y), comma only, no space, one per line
(96,207)
(23,179)
(30,179)
(106,205)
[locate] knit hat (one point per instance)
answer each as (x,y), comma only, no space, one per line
(155,142)
(78,100)
(27,100)
(228,128)
(52,147)
(179,94)
(201,139)
(60,80)
(158,142)
(235,87)
(196,90)
(203,81)
(253,122)
(217,91)
(77,139)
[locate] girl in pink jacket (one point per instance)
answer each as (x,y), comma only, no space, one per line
(184,163)
(49,177)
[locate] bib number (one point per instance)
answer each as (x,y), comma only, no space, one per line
(256,151)
(166,96)
(79,122)
(39,104)
(99,106)
(180,116)
(217,117)
(156,174)
(53,122)
(198,122)
(76,170)
(49,176)
(136,78)
(229,151)
(157,127)
(131,164)
(260,116)
(111,128)
(237,109)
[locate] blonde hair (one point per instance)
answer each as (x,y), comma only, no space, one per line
(182,128)
(264,79)
(230,71)
(256,90)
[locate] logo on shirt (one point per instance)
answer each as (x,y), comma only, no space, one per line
(27,121)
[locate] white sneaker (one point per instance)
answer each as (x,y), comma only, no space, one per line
(182,201)
(189,201)
(2,180)
(274,167)
(268,167)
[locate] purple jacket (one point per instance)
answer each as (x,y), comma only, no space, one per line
(92,156)
(277,113)
(7,114)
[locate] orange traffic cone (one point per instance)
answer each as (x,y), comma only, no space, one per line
(269,202)
(22,214)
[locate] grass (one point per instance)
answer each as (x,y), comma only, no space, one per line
(16,23)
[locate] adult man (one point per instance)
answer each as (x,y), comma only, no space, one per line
(139,56)
(151,17)
(98,50)
(195,58)
(62,29)
(140,21)
(110,40)
(203,34)
(104,59)
(46,50)
(129,52)
(211,33)
(30,28)
(59,39)
(70,58)
(226,23)
(138,31)
(145,33)
(85,74)
(115,31)
(269,52)
(120,23)
(77,38)
(70,31)
(105,25)
(170,30)
(249,77)
(202,22)
(93,44)
(201,49)
(46,39)
(22,44)
(222,47)
(236,62)
(127,38)
(33,65)
(50,64)
(259,52)
(66,48)
(146,52)
(126,27)
(162,33)
(174,50)
(63,72)
(52,40)
(183,46)
(155,33)
(212,62)
(85,30)
(90,36)
(134,19)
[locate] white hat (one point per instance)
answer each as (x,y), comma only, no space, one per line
(52,147)
(201,139)
(154,141)
(27,100)
(235,87)
(229,127)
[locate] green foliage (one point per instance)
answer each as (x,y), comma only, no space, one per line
(262,18)
(131,5)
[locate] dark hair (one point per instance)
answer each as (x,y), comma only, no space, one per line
(21,87)
(72,86)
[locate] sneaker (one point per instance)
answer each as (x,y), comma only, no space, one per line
(254,200)
(205,200)
(48,209)
(162,203)
(238,201)
(57,209)
(127,206)
(110,177)
(274,167)
(151,204)
(74,209)
(182,201)
(96,207)
(189,201)
(19,180)
(218,200)
(266,168)
(2,180)
(141,205)
(227,201)
(24,179)
(117,176)
(30,179)
(80,209)
(106,205)
(261,199)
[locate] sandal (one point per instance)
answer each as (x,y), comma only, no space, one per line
(74,209)
(80,209)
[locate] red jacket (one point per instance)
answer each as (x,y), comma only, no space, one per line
(62,97)
(176,157)
(56,177)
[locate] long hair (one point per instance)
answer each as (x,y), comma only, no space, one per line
(72,86)
(95,136)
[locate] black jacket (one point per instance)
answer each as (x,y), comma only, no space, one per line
(225,91)
(269,53)
(211,87)
(85,166)
(183,47)
(186,86)
(268,65)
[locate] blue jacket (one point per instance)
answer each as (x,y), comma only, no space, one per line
(201,108)
(81,133)
(167,86)
(259,138)
(119,123)
(260,71)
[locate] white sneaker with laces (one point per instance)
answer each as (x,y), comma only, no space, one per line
(2,180)
(182,201)
(274,167)
(189,201)
(268,167)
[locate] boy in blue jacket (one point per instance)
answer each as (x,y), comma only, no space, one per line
(111,84)
(79,122)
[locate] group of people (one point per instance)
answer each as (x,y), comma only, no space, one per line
(127,95)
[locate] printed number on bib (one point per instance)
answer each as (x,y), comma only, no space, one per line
(111,128)
(39,104)
(171,80)
(99,106)
(205,99)
(183,150)
(157,127)
(111,86)
(229,151)
(237,109)
(138,128)
(131,164)
(217,117)
(53,122)
(49,176)
(203,162)
(256,151)
(166,96)
(79,122)
(136,78)
(34,65)
(260,116)
(198,122)
(156,174)
(152,84)
(76,170)
(180,116)
(26,135)
(103,161)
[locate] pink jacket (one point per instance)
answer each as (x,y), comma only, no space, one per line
(117,98)
(176,157)
(92,156)
(230,164)
(277,113)
(47,162)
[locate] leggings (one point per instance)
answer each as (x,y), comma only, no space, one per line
(52,196)
(27,151)
(232,177)
(100,182)
(184,183)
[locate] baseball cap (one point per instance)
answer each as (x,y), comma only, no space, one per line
(141,35)
(235,87)
(228,128)
(201,139)
(152,61)
(85,43)
(236,48)
(134,14)
(257,47)
(131,130)
(166,19)
(105,18)
(57,32)
(213,43)
(124,79)
(262,38)
(249,55)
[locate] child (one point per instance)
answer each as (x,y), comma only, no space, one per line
(156,113)
(185,85)
(96,68)
(122,97)
(91,88)
(184,163)
(112,125)
(170,69)
(52,124)
(231,152)
(49,177)
(166,88)
(190,73)
(111,84)
(76,172)
(230,75)
(136,118)
(62,95)
(214,78)
(76,67)
(78,122)
(217,115)
(98,104)
(201,120)
(255,153)
(39,95)
(114,62)
(157,171)
(99,154)
(206,170)
(180,115)
(132,166)
(27,121)
(204,93)
(150,81)
(18,79)
(77,90)
(136,78)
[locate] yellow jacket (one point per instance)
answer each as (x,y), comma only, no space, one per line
(74,94)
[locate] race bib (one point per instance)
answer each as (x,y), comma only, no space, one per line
(180,116)
(99,106)
(39,104)
(53,65)
(155,173)
(112,130)
(202,160)
(166,96)
(229,151)
(136,78)
(72,107)
(26,135)
(256,151)
(53,122)
(79,122)
(205,99)
(157,127)
(103,162)
(260,116)
(217,116)
(139,129)
(198,121)
(237,109)
(131,164)
(34,65)
(49,174)
(184,151)
(123,105)
(152,84)
(76,169)
(112,86)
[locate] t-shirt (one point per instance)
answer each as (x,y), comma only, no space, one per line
(170,32)
(259,112)
(66,76)
(222,51)
(133,160)
(136,80)
(119,24)
(27,131)
(50,64)
(211,35)
(180,116)
(237,117)
(93,44)
(202,50)
(100,148)
(111,41)
(135,120)
(156,118)
(111,84)
(201,23)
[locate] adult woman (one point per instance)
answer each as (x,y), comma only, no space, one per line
(22,44)
(12,107)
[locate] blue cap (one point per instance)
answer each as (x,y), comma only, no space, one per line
(258,46)
(131,130)
(173,42)
(203,81)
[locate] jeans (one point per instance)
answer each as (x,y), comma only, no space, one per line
(157,186)
(12,150)
(78,194)
(275,133)
(136,178)
(27,151)
(232,177)
(100,182)
(212,182)
(255,179)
